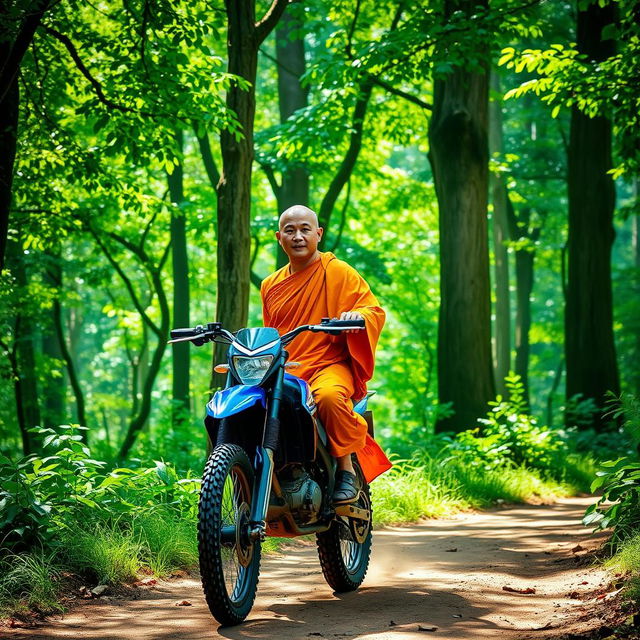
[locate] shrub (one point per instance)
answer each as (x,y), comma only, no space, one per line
(620,482)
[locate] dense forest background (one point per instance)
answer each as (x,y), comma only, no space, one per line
(476,161)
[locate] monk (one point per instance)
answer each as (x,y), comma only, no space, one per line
(337,367)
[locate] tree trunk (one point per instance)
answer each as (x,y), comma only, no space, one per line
(524,287)
(635,379)
(180,263)
(502,325)
(244,37)
(525,258)
(8,139)
(71,369)
(459,159)
(292,96)
(589,343)
(54,393)
(12,51)
(26,386)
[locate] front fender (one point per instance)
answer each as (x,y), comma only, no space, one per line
(228,402)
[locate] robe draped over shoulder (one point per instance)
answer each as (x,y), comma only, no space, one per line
(326,288)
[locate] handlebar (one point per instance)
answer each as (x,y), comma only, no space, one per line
(213,331)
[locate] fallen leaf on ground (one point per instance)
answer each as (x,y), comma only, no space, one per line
(526,591)
(584,582)
(147,582)
(183,603)
(577,548)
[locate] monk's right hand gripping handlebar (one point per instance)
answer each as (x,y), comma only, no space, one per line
(352,324)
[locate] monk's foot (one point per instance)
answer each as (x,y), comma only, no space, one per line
(346,490)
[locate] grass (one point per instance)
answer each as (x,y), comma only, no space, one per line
(627,561)
(30,582)
(436,487)
(161,539)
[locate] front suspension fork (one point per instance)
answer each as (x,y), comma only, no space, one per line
(264,461)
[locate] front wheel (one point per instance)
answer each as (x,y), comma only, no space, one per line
(345,548)
(229,560)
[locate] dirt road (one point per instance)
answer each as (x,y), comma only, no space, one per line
(442,574)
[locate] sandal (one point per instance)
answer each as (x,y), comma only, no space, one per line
(346,490)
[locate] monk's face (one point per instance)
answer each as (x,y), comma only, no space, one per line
(299,235)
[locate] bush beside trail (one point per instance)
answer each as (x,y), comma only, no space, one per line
(64,513)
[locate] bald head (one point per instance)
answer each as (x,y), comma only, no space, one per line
(299,235)
(298,213)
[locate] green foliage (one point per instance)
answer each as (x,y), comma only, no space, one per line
(619,480)
(30,582)
(567,78)
(107,554)
(620,484)
(626,560)
(436,485)
(44,496)
(510,436)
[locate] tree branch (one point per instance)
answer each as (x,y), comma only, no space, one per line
(270,19)
(271,177)
(207,159)
(11,64)
(97,87)
(399,92)
(352,29)
(349,161)
(343,217)
(127,283)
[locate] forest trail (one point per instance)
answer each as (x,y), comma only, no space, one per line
(448,574)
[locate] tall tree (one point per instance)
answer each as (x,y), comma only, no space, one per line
(459,159)
(526,237)
(180,264)
(589,343)
(244,37)
(498,187)
(292,96)
(18,24)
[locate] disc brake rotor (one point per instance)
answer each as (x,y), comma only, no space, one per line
(360,528)
(244,549)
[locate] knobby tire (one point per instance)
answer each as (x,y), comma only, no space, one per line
(229,571)
(345,562)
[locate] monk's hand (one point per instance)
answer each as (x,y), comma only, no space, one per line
(352,315)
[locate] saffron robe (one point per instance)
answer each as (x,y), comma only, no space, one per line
(337,367)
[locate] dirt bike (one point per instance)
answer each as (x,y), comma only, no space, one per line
(270,472)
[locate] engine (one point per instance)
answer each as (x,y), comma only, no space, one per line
(303,495)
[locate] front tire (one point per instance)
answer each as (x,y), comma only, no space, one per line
(229,561)
(344,552)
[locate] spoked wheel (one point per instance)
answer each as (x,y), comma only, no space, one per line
(344,549)
(229,560)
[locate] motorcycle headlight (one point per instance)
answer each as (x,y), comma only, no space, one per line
(252,370)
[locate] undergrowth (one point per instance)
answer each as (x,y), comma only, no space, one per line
(66,513)
(627,561)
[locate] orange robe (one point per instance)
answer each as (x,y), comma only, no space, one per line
(337,368)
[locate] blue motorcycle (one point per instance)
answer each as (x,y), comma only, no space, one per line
(270,473)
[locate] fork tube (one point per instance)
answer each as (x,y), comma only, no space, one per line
(264,458)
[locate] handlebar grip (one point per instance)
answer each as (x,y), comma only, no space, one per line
(183,333)
(343,323)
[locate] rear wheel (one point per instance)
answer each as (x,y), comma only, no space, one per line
(345,548)
(229,561)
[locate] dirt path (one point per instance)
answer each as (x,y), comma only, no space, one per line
(447,574)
